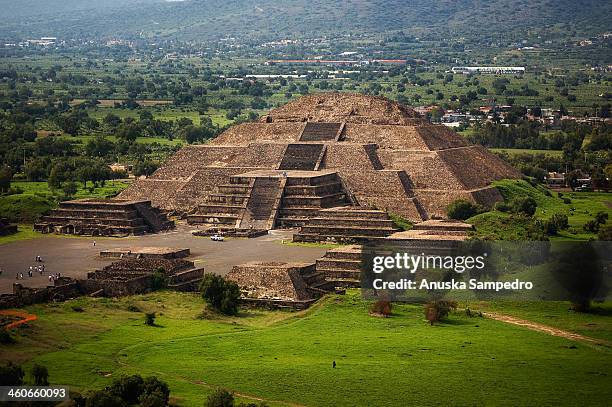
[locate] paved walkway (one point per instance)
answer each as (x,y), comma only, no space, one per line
(75,256)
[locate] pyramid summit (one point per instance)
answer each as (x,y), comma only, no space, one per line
(324,151)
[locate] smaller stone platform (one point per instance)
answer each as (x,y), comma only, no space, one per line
(435,230)
(104,217)
(279,284)
(146,252)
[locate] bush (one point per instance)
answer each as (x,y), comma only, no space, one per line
(591,226)
(11,375)
(6,338)
(502,207)
(605,233)
(150,318)
(567,201)
(220,398)
(462,209)
(128,388)
(524,205)
(601,217)
(438,309)
(561,220)
(104,398)
(40,374)
(381,307)
(154,391)
(221,294)
(159,280)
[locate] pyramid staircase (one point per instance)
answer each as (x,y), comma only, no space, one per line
(314,131)
(226,206)
(304,197)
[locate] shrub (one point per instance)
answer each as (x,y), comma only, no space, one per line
(524,205)
(438,309)
(128,388)
(381,307)
(40,374)
(154,391)
(462,209)
(104,398)
(567,201)
(601,217)
(220,398)
(591,226)
(159,280)
(5,337)
(400,221)
(502,207)
(221,294)
(605,233)
(11,375)
(150,318)
(560,220)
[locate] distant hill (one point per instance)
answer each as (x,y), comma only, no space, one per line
(272,19)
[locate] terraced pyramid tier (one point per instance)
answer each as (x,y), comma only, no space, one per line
(384,154)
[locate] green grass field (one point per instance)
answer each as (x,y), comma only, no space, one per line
(285,358)
(583,207)
(516,151)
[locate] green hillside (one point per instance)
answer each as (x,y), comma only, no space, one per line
(206,19)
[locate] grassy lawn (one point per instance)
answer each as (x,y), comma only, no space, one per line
(286,357)
(24,232)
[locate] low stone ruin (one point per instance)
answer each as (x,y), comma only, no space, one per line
(128,276)
(104,217)
(146,252)
(135,276)
(278,284)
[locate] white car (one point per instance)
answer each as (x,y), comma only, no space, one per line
(217,238)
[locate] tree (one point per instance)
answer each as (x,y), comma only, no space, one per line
(437,310)
(129,388)
(146,168)
(462,209)
(6,175)
(11,375)
(221,294)
(220,398)
(40,374)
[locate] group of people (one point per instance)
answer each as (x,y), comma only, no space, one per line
(39,268)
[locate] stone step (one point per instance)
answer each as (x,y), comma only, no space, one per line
(348,230)
(320,201)
(353,214)
(314,190)
(97,213)
(345,282)
(234,189)
(352,222)
(340,264)
(226,199)
(335,273)
(288,222)
(219,208)
(213,219)
(313,181)
(316,237)
(92,221)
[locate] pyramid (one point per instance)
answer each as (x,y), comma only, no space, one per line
(324,151)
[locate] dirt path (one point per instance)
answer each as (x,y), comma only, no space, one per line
(535,326)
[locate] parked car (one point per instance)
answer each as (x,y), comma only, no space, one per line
(217,238)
